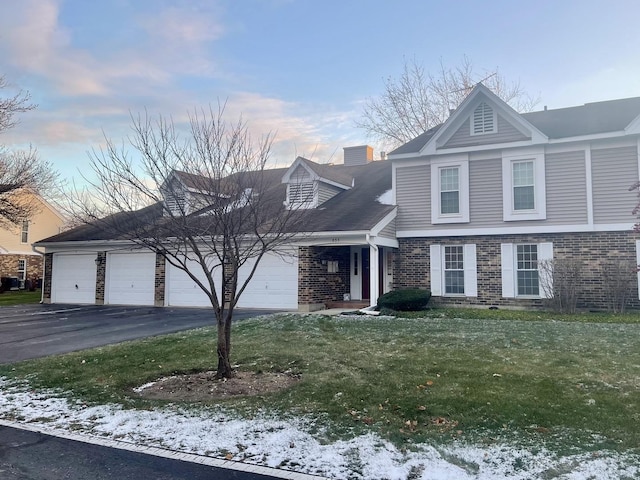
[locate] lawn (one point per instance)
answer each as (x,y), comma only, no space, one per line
(570,386)
(18,297)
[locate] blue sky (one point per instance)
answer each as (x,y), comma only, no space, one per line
(299,68)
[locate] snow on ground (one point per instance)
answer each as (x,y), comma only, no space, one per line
(288,444)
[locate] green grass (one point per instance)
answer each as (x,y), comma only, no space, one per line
(567,385)
(18,297)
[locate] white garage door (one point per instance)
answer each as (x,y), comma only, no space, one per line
(182,291)
(274,285)
(130,278)
(73,279)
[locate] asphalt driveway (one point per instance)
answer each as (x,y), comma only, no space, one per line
(39,330)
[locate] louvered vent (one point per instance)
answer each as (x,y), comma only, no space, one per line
(483,120)
(301,194)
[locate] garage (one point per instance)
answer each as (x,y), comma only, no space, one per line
(274,285)
(130,278)
(182,291)
(73,278)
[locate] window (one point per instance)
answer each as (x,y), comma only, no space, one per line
(523,186)
(453,270)
(24,234)
(521,276)
(22,269)
(302,195)
(528,283)
(450,190)
(483,120)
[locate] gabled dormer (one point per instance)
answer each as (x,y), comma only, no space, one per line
(483,120)
(310,184)
(184,193)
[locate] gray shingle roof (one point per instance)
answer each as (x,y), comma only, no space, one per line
(587,119)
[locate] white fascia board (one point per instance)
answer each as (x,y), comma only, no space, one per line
(633,127)
(587,138)
(456,120)
(385,242)
(490,146)
(335,184)
(460,232)
(378,227)
(292,168)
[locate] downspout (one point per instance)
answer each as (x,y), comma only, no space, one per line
(44,259)
(373,279)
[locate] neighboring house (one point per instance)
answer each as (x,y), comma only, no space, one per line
(346,253)
(18,259)
(469,210)
(491,193)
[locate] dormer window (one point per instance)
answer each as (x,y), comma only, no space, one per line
(175,202)
(301,195)
(483,120)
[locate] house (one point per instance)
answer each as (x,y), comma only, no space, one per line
(18,259)
(484,199)
(347,251)
(471,210)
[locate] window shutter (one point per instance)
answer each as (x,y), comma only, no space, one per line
(483,119)
(435,259)
(470,271)
(508,279)
(545,253)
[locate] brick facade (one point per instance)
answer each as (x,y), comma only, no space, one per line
(316,286)
(159,284)
(101,277)
(46,283)
(34,265)
(595,250)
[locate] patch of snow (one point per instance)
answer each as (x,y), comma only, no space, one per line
(386,198)
(286,443)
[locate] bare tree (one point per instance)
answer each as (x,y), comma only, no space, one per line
(209,204)
(418,101)
(21,171)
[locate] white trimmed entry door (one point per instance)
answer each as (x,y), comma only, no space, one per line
(274,285)
(130,278)
(73,279)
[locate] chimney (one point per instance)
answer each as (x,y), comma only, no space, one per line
(359,155)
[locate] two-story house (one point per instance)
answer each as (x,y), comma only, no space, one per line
(488,196)
(470,210)
(18,259)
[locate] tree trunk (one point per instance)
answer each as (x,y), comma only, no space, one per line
(224,349)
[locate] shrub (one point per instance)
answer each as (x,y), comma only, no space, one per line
(408,300)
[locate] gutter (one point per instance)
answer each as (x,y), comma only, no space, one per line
(375,249)
(33,247)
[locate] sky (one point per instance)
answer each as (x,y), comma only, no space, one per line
(300,69)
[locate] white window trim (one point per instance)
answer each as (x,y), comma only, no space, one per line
(508,254)
(24,231)
(436,260)
(484,132)
(313,203)
(462,162)
(22,273)
(539,212)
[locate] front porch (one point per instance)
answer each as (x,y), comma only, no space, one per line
(343,276)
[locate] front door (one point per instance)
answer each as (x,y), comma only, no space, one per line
(366,287)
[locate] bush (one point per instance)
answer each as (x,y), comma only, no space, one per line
(409,300)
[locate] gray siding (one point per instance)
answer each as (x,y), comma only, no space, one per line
(326,191)
(614,170)
(566,184)
(413,197)
(463,138)
(485,193)
(300,175)
(389,231)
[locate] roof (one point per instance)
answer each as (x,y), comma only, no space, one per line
(355,209)
(588,119)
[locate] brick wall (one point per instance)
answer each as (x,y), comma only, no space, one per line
(159,281)
(46,282)
(316,286)
(594,250)
(101,277)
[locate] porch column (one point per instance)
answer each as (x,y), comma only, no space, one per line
(374,275)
